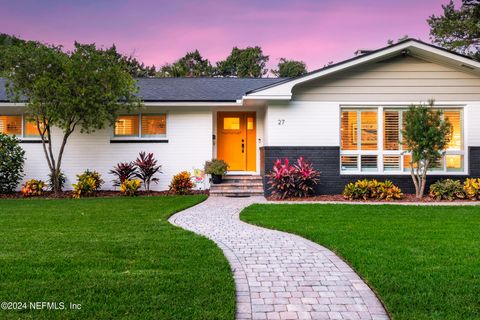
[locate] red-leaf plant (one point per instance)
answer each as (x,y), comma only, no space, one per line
(296,180)
(123,171)
(147,168)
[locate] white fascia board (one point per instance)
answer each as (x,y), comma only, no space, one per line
(268,97)
(12,104)
(193,104)
(285,89)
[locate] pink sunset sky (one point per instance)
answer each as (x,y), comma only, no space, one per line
(156,32)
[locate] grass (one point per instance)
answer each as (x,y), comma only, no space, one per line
(118,258)
(424,262)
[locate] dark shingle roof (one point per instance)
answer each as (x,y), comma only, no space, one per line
(191,89)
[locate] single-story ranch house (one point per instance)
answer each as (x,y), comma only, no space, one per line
(345,118)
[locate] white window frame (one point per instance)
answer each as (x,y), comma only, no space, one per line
(380,152)
(139,136)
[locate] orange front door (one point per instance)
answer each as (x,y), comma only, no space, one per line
(236,134)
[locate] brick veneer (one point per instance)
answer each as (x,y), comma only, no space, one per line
(327,161)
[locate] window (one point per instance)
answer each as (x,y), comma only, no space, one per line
(11,125)
(231,123)
(365,148)
(141,125)
(154,125)
(18,125)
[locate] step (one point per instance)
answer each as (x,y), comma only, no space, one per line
(242,177)
(236,193)
(236,185)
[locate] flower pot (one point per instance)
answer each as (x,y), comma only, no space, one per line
(216,179)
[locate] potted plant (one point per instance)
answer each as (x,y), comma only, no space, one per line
(217,169)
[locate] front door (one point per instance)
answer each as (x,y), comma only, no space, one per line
(236,134)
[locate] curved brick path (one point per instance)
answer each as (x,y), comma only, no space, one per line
(280,275)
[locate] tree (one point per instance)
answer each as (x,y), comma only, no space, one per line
(190,65)
(12,159)
(458,29)
(6,41)
(290,68)
(135,68)
(242,63)
(79,90)
(425,136)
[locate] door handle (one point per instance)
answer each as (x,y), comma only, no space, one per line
(243,146)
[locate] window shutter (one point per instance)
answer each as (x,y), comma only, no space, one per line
(391,130)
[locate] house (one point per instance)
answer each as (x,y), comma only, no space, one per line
(345,118)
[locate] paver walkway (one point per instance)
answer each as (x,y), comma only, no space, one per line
(280,275)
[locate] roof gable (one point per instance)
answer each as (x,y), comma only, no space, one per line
(283,90)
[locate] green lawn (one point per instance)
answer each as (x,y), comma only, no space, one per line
(424,262)
(117,257)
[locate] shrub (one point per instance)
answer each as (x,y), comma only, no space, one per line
(216,167)
(389,191)
(87,184)
(33,188)
(181,183)
(123,171)
(471,187)
(129,187)
(61,181)
(292,180)
(372,189)
(447,189)
(12,159)
(147,168)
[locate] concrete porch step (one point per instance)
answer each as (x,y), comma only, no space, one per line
(238,186)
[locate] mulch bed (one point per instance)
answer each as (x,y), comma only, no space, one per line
(100,194)
(340,198)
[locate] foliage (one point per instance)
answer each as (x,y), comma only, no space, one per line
(12,159)
(290,68)
(123,171)
(129,187)
(33,188)
(87,184)
(61,181)
(447,189)
(426,136)
(297,180)
(191,65)
(216,166)
(6,41)
(243,63)
(471,187)
(458,29)
(182,183)
(84,88)
(372,189)
(131,65)
(147,168)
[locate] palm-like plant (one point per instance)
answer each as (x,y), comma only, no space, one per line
(147,168)
(123,171)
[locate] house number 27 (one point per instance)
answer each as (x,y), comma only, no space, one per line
(281,122)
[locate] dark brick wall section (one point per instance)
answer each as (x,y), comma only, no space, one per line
(327,161)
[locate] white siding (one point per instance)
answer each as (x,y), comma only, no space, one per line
(306,124)
(472,124)
(189,134)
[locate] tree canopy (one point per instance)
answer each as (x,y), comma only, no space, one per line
(458,29)
(290,68)
(84,89)
(426,136)
(190,65)
(134,67)
(242,63)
